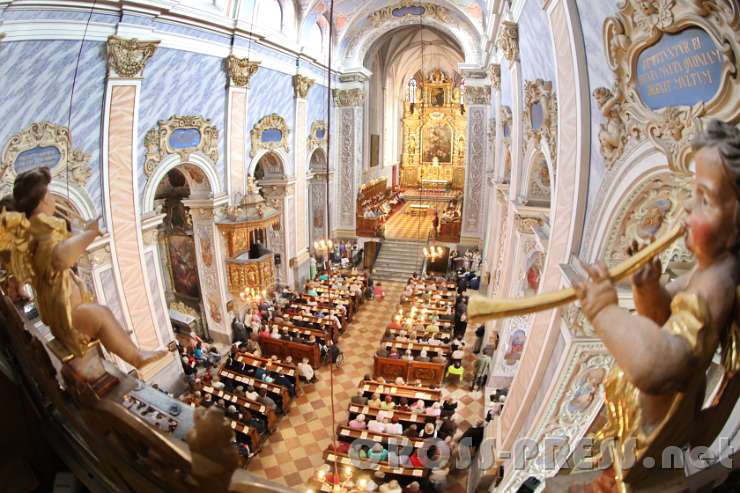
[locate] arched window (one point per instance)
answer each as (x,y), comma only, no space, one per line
(314,42)
(412,91)
(269,15)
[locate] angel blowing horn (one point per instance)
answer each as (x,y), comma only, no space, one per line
(43,252)
(655,394)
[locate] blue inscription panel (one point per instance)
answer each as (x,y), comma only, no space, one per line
(681,69)
(507,130)
(272,135)
(184,138)
(409,10)
(537,115)
(37,157)
(320,133)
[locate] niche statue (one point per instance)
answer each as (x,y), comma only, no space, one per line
(655,394)
(42,252)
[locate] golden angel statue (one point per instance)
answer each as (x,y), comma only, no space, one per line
(42,252)
(658,394)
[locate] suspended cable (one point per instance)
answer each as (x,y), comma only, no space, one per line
(74,85)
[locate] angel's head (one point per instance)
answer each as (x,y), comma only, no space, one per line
(31,192)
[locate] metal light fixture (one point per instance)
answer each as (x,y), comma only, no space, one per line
(252,295)
(433,252)
(323,245)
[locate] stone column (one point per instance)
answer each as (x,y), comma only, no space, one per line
(281,196)
(211,266)
(477,104)
(317,206)
(301,85)
(348,143)
(240,71)
(126,60)
(150,233)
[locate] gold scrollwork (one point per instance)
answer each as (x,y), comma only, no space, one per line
(478,95)
(639,25)
(348,97)
(45,134)
(494,72)
(241,70)
(314,141)
(128,56)
(157,141)
(301,85)
(273,121)
(540,92)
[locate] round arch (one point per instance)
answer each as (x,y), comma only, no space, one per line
(533,160)
(77,197)
(616,189)
(173,161)
(320,153)
(252,166)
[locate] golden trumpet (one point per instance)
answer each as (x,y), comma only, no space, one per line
(481,308)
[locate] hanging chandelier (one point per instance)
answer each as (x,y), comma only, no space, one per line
(252,295)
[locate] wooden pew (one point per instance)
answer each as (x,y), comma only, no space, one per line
(287,370)
(393,334)
(282,348)
(248,432)
(284,328)
(346,433)
(425,371)
(253,406)
(406,418)
(271,388)
(416,348)
(430,396)
(343,459)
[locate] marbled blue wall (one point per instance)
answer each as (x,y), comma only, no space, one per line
(36,80)
(182,83)
(317,104)
(535,45)
(271,92)
(506,95)
(599,75)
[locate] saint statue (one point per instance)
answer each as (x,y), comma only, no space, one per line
(43,252)
(655,392)
(412,145)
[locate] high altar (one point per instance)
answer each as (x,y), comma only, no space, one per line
(434,136)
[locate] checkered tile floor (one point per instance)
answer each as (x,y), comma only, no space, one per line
(403,226)
(294,451)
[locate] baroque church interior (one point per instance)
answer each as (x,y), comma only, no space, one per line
(366,245)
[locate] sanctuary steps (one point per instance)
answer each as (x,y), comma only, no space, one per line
(398,260)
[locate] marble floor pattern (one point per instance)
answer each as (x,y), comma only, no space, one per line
(402,226)
(294,451)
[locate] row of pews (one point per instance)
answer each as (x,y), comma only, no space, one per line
(401,396)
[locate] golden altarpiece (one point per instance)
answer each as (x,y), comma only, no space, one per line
(434,136)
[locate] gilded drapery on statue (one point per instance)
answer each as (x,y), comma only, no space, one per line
(434,129)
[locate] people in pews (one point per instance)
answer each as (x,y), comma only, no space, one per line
(307,372)
(375,401)
(423,356)
(375,426)
(418,407)
(408,356)
(394,427)
(263,398)
(388,403)
(378,453)
(359,399)
(358,423)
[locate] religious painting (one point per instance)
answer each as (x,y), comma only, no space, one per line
(586,389)
(206,251)
(515,347)
(437,96)
(183,265)
(214,310)
(437,143)
(533,270)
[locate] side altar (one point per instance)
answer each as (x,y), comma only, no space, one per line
(434,127)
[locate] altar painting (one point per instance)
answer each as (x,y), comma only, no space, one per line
(437,143)
(183,266)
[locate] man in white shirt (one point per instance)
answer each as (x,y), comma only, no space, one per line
(306,370)
(375,426)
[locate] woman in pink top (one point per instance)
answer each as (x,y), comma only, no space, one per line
(358,423)
(378,292)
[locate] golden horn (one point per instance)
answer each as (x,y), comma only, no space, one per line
(481,309)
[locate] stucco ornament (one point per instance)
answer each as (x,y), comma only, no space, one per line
(540,117)
(128,56)
(348,97)
(159,144)
(494,72)
(270,122)
(301,85)
(40,135)
(508,40)
(639,26)
(381,16)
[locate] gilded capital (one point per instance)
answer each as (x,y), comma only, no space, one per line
(508,40)
(348,97)
(301,85)
(478,95)
(240,70)
(128,56)
(494,72)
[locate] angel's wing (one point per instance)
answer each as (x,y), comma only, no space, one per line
(15,240)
